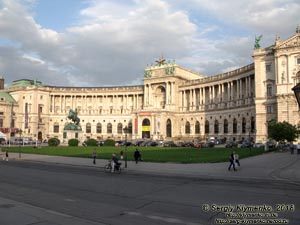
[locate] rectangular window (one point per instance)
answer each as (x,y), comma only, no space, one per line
(298,61)
(268,67)
(269,109)
(56,129)
(269,90)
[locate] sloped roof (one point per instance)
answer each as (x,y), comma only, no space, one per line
(7,97)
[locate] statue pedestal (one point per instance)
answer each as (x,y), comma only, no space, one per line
(72,134)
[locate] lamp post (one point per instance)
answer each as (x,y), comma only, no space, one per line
(125,131)
(20,133)
(249,140)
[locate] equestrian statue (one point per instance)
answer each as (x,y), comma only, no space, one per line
(73,116)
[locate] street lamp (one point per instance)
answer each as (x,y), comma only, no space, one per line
(125,131)
(296,91)
(20,133)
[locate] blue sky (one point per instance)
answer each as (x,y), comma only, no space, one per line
(58,14)
(110,42)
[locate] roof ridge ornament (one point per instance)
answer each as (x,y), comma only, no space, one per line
(257,40)
(160,61)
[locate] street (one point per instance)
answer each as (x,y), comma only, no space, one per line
(60,194)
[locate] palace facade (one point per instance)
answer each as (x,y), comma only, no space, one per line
(173,103)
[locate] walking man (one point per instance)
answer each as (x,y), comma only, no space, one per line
(94,155)
(232,161)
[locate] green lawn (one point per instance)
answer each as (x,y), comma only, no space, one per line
(149,154)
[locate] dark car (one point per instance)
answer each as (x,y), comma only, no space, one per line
(169,144)
(246,144)
(138,143)
(231,144)
(209,144)
(152,143)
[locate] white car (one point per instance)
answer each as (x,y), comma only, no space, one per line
(258,145)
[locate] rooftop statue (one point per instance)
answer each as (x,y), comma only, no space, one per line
(257,40)
(73,116)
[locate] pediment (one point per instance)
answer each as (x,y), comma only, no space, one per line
(289,43)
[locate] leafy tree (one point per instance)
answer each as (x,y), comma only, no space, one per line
(282,131)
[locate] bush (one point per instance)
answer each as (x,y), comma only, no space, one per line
(91,142)
(53,142)
(73,142)
(2,140)
(109,142)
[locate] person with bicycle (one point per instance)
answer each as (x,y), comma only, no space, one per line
(114,162)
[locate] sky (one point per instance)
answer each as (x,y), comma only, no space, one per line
(90,43)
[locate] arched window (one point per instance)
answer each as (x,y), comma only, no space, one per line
(99,128)
(169,128)
(130,127)
(225,126)
(88,128)
(244,125)
(197,127)
(253,125)
(206,127)
(120,128)
(234,126)
(56,128)
(187,128)
(216,126)
(109,128)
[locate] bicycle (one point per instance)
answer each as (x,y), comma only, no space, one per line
(108,168)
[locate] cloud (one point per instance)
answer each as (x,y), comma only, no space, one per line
(114,40)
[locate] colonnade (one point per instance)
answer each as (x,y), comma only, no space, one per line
(231,93)
(95,104)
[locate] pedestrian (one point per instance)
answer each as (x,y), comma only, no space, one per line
(121,155)
(298,148)
(2,153)
(137,155)
(94,155)
(236,157)
(232,161)
(6,156)
(292,147)
(114,162)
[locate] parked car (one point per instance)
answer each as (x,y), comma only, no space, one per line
(271,144)
(169,144)
(209,144)
(151,143)
(258,145)
(246,144)
(231,144)
(138,143)
(198,144)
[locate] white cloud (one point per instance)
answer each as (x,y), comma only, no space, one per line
(115,40)
(33,59)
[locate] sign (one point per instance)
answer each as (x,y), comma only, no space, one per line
(145,114)
(145,128)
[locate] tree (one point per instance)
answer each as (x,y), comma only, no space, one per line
(282,131)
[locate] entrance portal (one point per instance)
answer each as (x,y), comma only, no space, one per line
(146,128)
